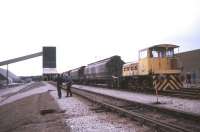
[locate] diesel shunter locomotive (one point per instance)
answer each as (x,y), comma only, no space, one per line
(157,67)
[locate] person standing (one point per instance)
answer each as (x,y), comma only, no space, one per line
(188,79)
(69,84)
(59,85)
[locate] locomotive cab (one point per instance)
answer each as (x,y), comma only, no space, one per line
(160,63)
(158,59)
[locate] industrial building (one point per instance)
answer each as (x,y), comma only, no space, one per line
(190,62)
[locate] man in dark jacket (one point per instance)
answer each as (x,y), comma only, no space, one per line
(69,84)
(188,79)
(59,85)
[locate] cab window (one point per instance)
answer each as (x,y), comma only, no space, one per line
(143,54)
(162,52)
(155,54)
(170,53)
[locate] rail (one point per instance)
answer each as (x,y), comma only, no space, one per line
(160,119)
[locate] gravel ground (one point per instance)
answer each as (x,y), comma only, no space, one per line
(187,105)
(20,111)
(84,116)
(24,115)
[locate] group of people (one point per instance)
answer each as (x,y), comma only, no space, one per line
(189,78)
(64,81)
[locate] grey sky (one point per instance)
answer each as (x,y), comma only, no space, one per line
(86,31)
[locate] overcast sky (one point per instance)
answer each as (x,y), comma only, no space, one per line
(85,31)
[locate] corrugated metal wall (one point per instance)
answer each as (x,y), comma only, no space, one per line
(191,62)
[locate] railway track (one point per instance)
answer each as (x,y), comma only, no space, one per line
(26,88)
(160,119)
(189,93)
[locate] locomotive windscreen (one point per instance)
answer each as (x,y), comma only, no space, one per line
(49,57)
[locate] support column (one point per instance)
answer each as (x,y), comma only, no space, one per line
(7,76)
